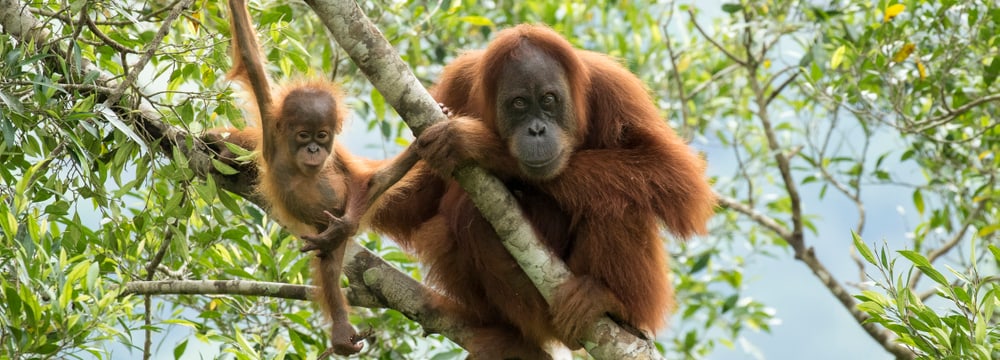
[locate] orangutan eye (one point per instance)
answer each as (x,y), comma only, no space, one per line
(519,103)
(548,99)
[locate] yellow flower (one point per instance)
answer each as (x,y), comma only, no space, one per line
(904,53)
(892,11)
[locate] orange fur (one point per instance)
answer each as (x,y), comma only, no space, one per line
(627,174)
(302,172)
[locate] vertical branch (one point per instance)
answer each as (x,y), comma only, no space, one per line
(681,96)
(855,195)
(784,167)
(154,263)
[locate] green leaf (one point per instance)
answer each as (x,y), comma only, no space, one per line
(295,338)
(93,271)
(700,263)
(206,191)
(875,297)
(227,199)
(12,299)
(58,208)
(987,230)
(224,168)
(300,319)
(926,315)
(921,262)
(12,103)
(181,322)
(7,129)
(907,155)
(838,57)
(274,14)
(8,222)
(690,339)
(870,307)
(13,55)
(941,337)
(918,201)
(179,349)
(990,301)
(48,347)
(454,354)
(120,125)
(397,256)
(238,150)
(991,71)
(732,8)
(915,257)
(378,104)
(996,252)
(730,302)
(961,294)
(863,248)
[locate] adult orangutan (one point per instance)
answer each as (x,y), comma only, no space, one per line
(578,141)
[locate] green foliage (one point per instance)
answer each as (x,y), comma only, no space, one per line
(852,95)
(966,330)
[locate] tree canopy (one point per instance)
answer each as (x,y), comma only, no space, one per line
(854,143)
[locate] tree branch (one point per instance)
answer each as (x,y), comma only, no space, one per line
(777,91)
(681,96)
(373,282)
(150,50)
(797,238)
(953,113)
(219,287)
(884,337)
(721,48)
(808,256)
(726,71)
(764,220)
(17,21)
(948,245)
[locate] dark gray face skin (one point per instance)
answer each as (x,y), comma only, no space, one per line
(535,115)
(311,117)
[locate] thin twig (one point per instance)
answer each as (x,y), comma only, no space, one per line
(764,220)
(743,167)
(714,79)
(66,19)
(950,244)
(154,263)
(714,43)
(150,50)
(107,40)
(681,97)
(951,115)
(774,94)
